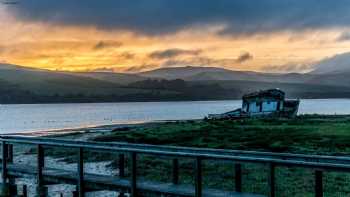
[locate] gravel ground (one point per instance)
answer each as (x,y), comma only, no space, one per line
(21,157)
(66,190)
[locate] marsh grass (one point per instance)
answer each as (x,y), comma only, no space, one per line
(310,134)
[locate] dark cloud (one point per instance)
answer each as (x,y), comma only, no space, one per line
(168,16)
(171,58)
(171,53)
(107,70)
(345,36)
(127,55)
(246,56)
(140,68)
(107,44)
(201,61)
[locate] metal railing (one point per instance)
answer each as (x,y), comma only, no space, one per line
(317,163)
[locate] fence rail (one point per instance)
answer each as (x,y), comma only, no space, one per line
(317,163)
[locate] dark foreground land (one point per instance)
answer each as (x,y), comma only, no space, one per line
(312,134)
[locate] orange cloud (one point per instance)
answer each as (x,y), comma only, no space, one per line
(88,48)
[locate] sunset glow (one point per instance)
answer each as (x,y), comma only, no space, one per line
(56,46)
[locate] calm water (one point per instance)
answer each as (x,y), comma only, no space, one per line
(28,118)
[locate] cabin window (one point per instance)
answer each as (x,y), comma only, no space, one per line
(260,106)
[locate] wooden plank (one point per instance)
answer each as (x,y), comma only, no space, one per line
(80,189)
(105,182)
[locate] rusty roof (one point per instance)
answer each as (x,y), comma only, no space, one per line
(270,93)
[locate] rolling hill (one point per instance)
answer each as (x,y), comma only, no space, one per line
(48,86)
(334,65)
(341,79)
(190,73)
(48,82)
(27,85)
(293,90)
(116,78)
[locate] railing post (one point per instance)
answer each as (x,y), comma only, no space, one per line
(11,180)
(121,165)
(198,170)
(175,171)
(121,194)
(13,190)
(10,153)
(24,191)
(133,174)
(4,162)
(5,189)
(238,177)
(40,166)
(81,172)
(272,179)
(318,183)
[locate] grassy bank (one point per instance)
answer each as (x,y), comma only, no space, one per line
(304,134)
(313,134)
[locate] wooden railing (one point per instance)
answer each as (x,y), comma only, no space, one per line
(317,163)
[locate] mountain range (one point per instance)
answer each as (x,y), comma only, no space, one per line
(329,79)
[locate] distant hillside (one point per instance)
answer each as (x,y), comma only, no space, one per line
(179,72)
(189,91)
(48,82)
(334,65)
(26,85)
(340,79)
(117,78)
(190,73)
(293,90)
(10,93)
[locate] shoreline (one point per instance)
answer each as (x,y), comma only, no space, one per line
(90,129)
(65,132)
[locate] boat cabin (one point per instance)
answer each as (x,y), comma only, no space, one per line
(269,102)
(266,101)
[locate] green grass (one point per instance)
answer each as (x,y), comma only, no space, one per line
(305,134)
(313,134)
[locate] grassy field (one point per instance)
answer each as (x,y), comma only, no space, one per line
(313,134)
(304,134)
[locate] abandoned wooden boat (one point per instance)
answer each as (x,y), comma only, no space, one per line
(270,102)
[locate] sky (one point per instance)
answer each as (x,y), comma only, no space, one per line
(140,35)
